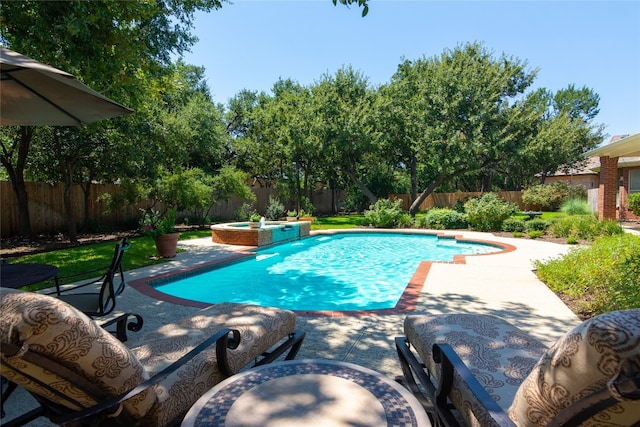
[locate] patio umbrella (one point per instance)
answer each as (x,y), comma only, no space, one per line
(36,94)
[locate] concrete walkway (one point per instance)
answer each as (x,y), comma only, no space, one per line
(504,285)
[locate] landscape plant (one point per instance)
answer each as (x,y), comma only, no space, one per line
(575,206)
(537,224)
(633,203)
(586,227)
(443,219)
(548,197)
(384,213)
(275,209)
(513,225)
(488,212)
(604,276)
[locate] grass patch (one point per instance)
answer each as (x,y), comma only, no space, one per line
(90,257)
(340,221)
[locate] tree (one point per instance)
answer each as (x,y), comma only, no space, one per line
(564,130)
(111,46)
(469,112)
(343,106)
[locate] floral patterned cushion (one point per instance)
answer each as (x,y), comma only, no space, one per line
(587,358)
(260,328)
(58,331)
(498,354)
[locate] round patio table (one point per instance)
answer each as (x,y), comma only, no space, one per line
(19,275)
(312,392)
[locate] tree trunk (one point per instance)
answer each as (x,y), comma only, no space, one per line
(86,191)
(415,206)
(372,198)
(16,175)
(68,208)
(413,165)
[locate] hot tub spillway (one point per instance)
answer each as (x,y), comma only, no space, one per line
(239,233)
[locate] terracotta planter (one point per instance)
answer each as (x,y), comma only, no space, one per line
(254,225)
(306,218)
(166,244)
(292,219)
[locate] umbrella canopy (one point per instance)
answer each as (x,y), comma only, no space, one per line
(35,94)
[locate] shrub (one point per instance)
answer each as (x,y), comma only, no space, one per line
(633,203)
(548,197)
(534,234)
(537,224)
(405,221)
(245,211)
(575,207)
(487,212)
(586,227)
(608,272)
(442,219)
(513,225)
(384,213)
(275,209)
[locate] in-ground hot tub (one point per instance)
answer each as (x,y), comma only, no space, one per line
(240,233)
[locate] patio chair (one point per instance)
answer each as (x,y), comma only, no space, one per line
(80,373)
(98,303)
(470,369)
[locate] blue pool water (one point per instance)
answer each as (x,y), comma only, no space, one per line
(346,271)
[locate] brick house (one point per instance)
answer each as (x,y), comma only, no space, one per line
(619,176)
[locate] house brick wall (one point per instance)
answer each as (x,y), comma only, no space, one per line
(608,187)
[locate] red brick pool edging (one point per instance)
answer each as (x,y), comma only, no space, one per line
(407,302)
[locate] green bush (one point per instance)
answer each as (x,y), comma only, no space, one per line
(586,227)
(549,197)
(384,213)
(537,224)
(513,225)
(443,219)
(245,211)
(608,272)
(633,203)
(275,209)
(487,213)
(575,207)
(534,234)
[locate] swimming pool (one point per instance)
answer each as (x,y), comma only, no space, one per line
(340,272)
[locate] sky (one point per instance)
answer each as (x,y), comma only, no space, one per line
(250,44)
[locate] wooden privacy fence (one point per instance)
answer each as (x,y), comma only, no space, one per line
(448,200)
(46,207)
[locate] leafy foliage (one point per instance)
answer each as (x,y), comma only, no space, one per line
(513,225)
(275,209)
(548,197)
(487,213)
(536,224)
(608,272)
(575,207)
(154,223)
(586,227)
(633,202)
(385,213)
(442,219)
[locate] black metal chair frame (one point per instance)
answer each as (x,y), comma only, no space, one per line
(107,294)
(434,395)
(97,414)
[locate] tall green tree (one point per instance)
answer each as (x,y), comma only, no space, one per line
(564,130)
(343,104)
(469,112)
(111,46)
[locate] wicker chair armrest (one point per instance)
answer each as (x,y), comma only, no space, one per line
(224,339)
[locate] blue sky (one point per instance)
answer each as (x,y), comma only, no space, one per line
(250,44)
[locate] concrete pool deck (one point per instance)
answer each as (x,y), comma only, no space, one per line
(501,284)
